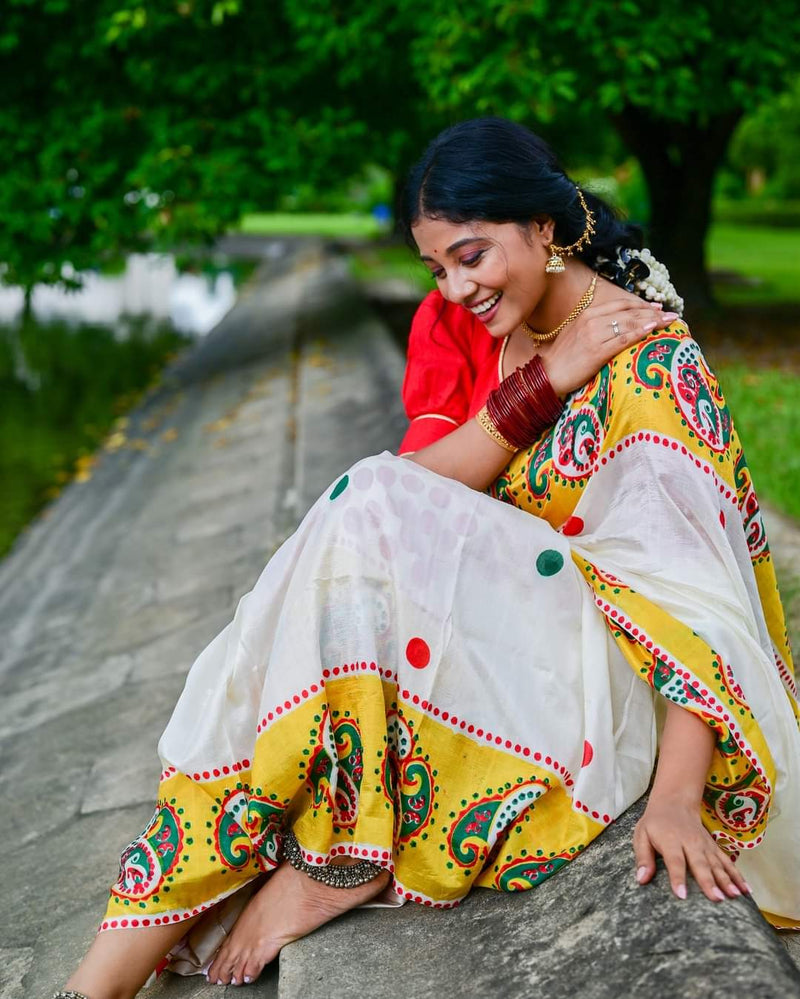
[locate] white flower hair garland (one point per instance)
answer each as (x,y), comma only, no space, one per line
(640,272)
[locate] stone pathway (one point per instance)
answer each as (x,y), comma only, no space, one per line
(106,600)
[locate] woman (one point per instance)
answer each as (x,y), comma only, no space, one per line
(428,689)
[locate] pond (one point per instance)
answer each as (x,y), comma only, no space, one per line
(79,360)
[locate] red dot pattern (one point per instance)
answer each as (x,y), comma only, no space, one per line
(418,653)
(674,445)
(573,526)
(334,673)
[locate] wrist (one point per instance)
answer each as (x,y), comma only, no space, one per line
(678,798)
(551,373)
(523,405)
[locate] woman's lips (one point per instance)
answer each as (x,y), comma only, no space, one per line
(488,316)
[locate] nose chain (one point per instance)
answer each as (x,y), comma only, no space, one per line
(584,303)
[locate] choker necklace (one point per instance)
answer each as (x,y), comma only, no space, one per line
(584,303)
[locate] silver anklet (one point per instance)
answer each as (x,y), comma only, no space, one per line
(333,875)
(69,994)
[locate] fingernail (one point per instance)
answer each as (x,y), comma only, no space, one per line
(649,326)
(641,873)
(748,889)
(220,982)
(734,890)
(718,894)
(233,981)
(247,979)
(657,305)
(670,315)
(680,891)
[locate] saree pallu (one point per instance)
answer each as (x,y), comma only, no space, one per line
(466,695)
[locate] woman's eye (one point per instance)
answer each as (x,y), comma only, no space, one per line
(471,261)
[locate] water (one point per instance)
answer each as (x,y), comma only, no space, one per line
(150,287)
(79,360)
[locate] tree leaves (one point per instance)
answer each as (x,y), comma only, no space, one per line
(177,117)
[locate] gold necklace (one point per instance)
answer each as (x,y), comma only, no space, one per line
(584,303)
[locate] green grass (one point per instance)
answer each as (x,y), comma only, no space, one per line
(309,224)
(766,410)
(758,211)
(770,256)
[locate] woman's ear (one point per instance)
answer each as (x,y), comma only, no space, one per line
(542,230)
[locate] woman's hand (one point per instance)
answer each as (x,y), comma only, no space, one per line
(672,827)
(589,342)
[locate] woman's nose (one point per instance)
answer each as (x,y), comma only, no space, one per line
(461,289)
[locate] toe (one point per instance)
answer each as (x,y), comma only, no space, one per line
(221,969)
(251,970)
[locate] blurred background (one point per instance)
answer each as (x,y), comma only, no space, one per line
(147,146)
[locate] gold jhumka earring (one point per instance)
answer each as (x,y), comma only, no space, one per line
(555,264)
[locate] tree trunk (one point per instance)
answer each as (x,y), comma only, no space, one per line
(27,303)
(679,161)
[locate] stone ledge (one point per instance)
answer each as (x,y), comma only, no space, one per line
(588,931)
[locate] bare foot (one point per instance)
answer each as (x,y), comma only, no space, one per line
(288,907)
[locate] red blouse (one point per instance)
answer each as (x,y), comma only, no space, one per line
(453,364)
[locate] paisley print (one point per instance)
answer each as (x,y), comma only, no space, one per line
(578,442)
(741,808)
(652,361)
(322,762)
(476,830)
(754,525)
(412,780)
(151,857)
(699,399)
(230,832)
(264,822)
(350,771)
(527,872)
(563,456)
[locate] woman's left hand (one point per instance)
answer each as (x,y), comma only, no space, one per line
(672,827)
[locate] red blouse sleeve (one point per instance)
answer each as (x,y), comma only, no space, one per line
(440,373)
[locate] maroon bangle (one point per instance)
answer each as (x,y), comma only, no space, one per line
(524,404)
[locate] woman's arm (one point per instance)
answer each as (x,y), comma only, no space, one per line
(671,822)
(469,455)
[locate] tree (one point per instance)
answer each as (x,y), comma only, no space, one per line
(767,144)
(674,79)
(146,125)
(142,123)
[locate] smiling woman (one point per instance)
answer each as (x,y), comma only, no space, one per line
(448,676)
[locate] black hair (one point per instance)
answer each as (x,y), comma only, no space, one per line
(494,170)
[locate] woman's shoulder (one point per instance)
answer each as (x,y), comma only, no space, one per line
(663,348)
(665,385)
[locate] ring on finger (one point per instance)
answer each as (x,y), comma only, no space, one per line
(615,327)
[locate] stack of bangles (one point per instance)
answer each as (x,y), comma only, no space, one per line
(521,407)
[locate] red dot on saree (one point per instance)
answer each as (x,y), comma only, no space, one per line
(418,653)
